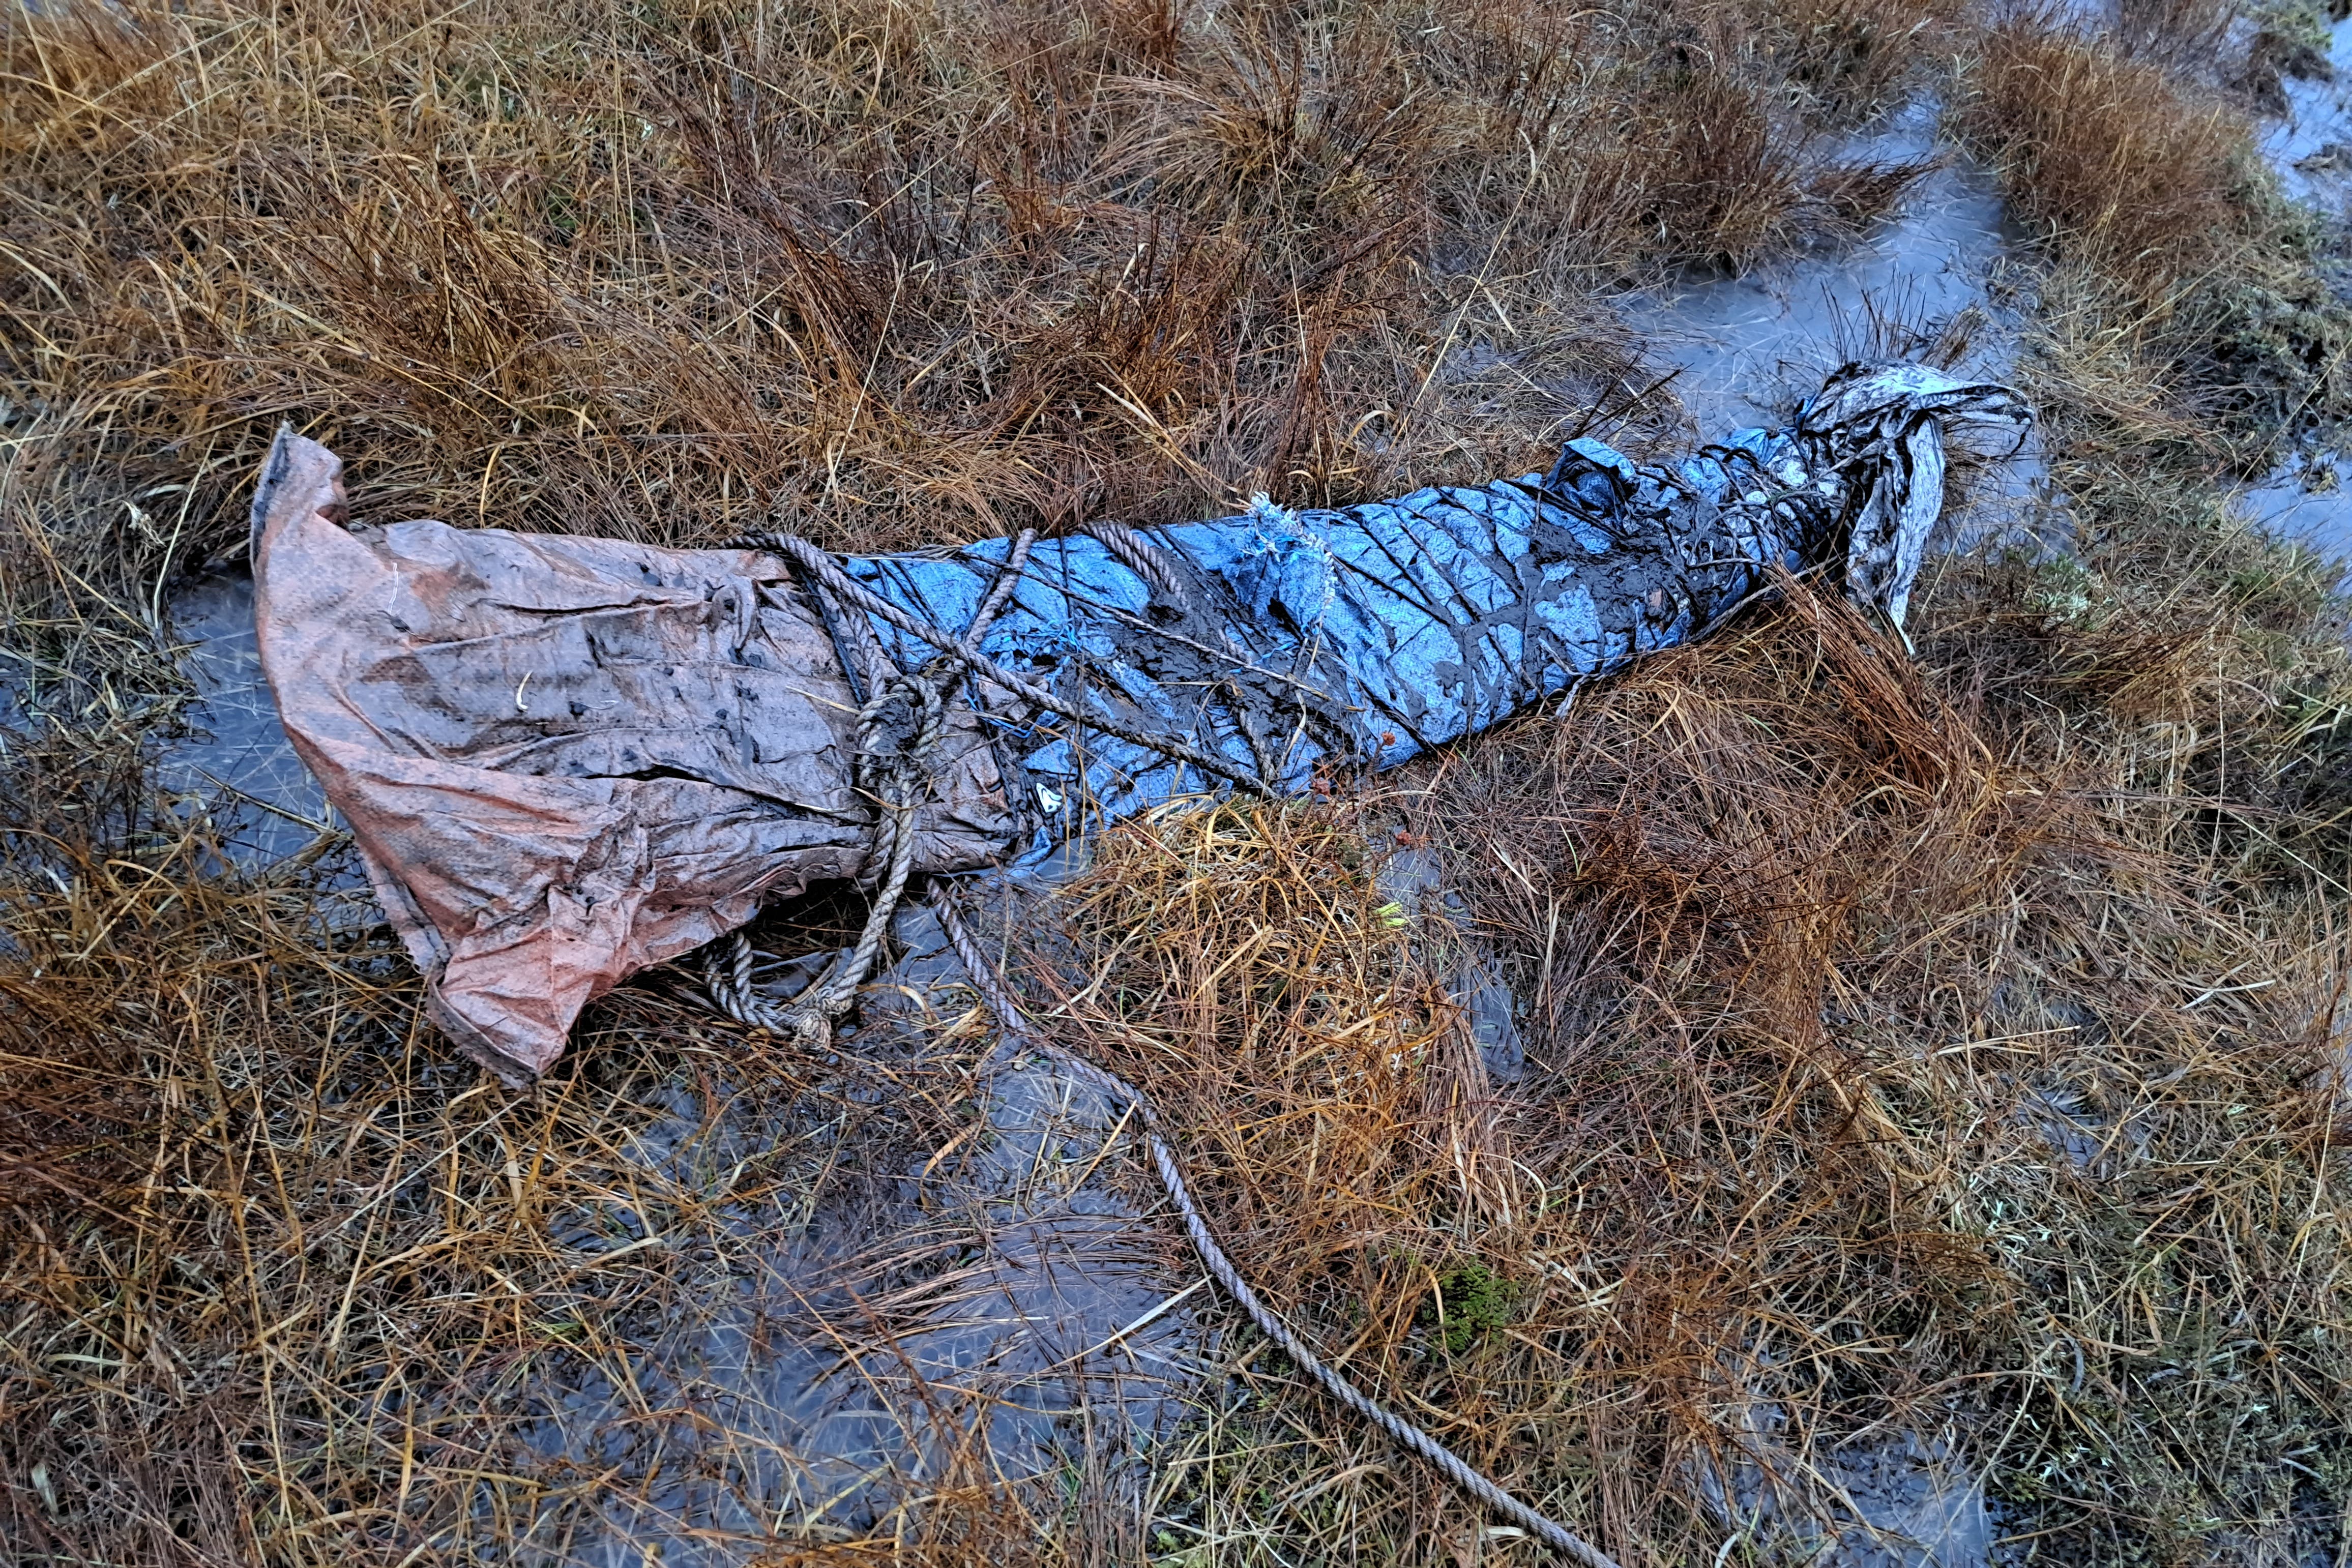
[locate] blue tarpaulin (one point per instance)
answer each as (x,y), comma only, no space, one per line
(1364,635)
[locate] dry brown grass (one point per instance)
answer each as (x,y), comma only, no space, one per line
(1824,966)
(908,271)
(2132,171)
(296,1286)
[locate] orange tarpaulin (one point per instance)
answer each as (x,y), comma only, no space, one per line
(566,759)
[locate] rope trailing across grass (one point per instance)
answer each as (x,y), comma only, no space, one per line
(1014,1029)
(898,730)
(569,759)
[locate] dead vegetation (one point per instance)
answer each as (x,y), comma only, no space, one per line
(2131,172)
(906,271)
(2181,271)
(1892,1065)
(1947,1053)
(289,1283)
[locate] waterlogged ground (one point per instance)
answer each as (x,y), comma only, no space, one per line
(2311,150)
(1056,1327)
(233,763)
(1747,350)
(1044,1333)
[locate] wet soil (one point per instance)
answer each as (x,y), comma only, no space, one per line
(2310,149)
(994,1311)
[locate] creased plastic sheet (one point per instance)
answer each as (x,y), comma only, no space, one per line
(567,758)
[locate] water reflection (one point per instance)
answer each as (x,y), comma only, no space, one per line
(233,764)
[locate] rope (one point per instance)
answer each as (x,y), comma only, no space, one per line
(1128,548)
(1013,1027)
(893,763)
(898,730)
(827,572)
(1008,578)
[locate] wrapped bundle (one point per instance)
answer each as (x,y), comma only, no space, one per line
(566,759)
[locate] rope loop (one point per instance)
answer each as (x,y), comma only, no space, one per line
(898,731)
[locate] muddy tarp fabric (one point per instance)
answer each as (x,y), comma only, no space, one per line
(567,758)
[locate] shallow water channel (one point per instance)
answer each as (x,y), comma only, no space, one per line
(1064,1334)
(2310,148)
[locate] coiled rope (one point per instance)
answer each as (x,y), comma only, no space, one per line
(899,729)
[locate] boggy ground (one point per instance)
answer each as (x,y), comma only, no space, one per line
(1943,1047)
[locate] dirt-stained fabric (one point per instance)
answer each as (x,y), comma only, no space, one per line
(566,759)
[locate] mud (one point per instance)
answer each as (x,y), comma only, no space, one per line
(1938,275)
(997,1312)
(2310,149)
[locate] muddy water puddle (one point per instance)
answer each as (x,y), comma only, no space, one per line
(1901,1501)
(2310,149)
(2311,145)
(1934,277)
(996,1316)
(231,766)
(2304,500)
(1749,348)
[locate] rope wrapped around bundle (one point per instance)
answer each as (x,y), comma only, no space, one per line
(565,760)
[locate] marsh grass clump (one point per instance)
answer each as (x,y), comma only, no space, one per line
(2127,164)
(2175,255)
(1880,1052)
(2187,337)
(288,1283)
(901,272)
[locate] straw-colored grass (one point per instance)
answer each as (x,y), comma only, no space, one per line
(320,1288)
(1944,1050)
(905,269)
(1894,1064)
